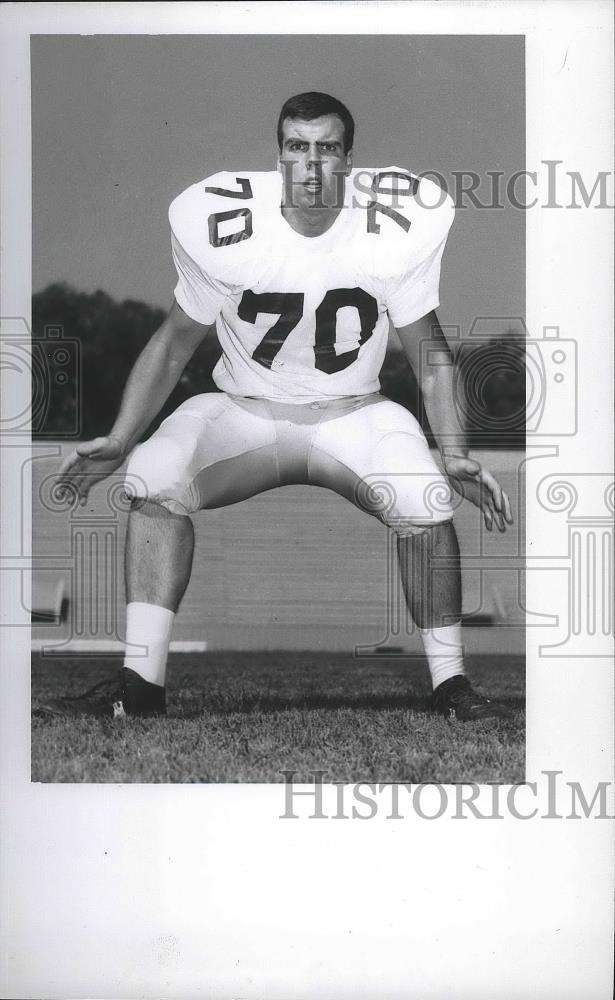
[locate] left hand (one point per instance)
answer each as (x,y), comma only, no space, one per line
(471,481)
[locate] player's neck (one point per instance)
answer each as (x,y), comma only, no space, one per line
(309,221)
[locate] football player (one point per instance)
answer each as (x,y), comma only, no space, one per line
(301,270)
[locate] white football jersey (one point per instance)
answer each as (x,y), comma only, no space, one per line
(306,318)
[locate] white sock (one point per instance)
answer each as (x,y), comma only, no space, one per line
(149,626)
(444,651)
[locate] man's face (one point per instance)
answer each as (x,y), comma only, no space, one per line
(313,161)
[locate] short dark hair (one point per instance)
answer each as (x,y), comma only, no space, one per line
(314,105)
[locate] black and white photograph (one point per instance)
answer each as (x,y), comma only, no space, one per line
(292,631)
(306,458)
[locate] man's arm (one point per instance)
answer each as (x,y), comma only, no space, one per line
(433,365)
(431,359)
(154,375)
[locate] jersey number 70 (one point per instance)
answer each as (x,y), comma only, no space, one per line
(289,305)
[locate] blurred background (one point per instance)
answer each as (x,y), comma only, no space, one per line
(122,124)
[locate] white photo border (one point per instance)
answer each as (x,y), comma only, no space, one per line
(175,891)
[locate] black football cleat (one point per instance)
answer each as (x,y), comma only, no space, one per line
(127,694)
(457,700)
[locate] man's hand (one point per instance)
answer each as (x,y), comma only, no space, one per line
(154,375)
(88,464)
(482,489)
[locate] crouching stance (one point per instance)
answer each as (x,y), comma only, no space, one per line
(301,279)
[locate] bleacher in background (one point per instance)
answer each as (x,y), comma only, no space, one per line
(296,568)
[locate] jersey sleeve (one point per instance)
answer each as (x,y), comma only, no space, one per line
(200,295)
(202,283)
(415,291)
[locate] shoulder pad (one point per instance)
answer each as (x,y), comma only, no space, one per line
(407,216)
(218,220)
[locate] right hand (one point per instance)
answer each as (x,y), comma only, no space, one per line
(88,464)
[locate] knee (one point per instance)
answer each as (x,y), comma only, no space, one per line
(157,476)
(152,509)
(428,532)
(409,503)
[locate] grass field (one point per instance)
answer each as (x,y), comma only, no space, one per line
(246,717)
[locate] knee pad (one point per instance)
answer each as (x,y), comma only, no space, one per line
(408,503)
(158,472)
